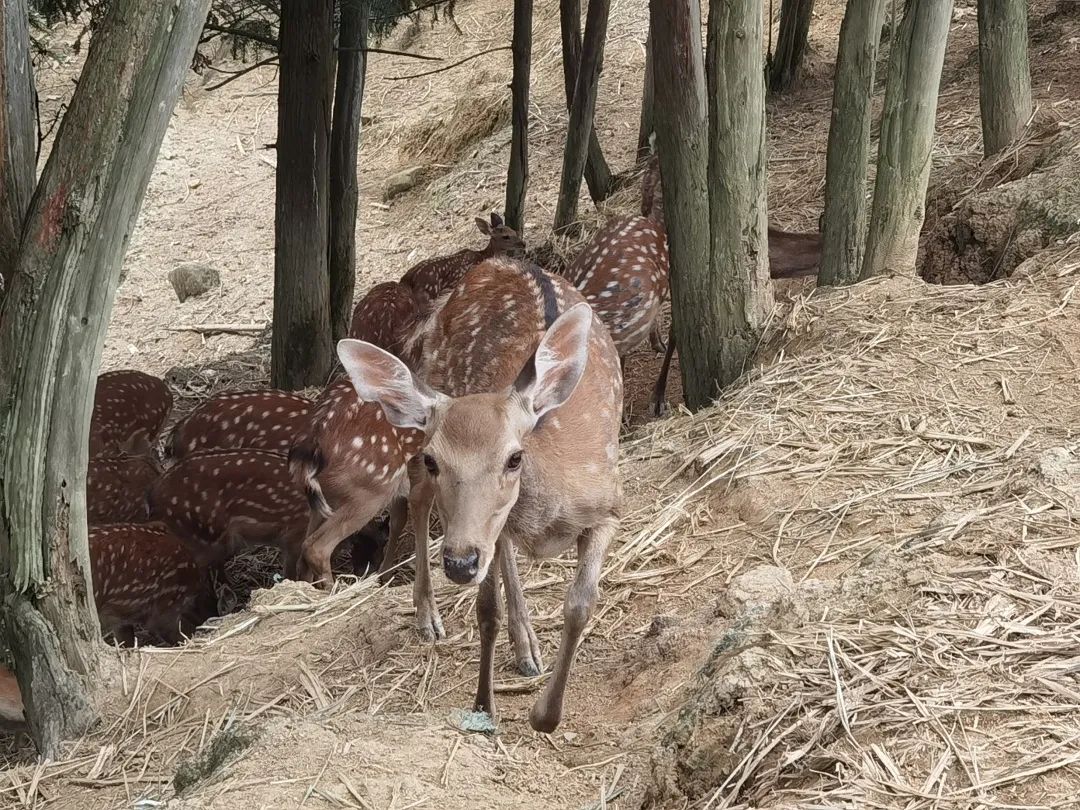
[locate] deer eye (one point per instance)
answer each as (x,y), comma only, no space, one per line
(514,462)
(430,464)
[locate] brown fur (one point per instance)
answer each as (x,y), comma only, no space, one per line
(116,488)
(11,704)
(255,420)
(793,254)
(385,317)
(129,409)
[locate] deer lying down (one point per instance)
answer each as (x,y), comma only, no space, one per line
(520,412)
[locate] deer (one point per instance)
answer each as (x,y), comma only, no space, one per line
(129,409)
(351,465)
(238,420)
(147,579)
(432,278)
(12,717)
(223,501)
(116,488)
(385,316)
(519,400)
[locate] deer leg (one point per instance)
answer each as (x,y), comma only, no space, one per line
(658,405)
(546,713)
(526,644)
(399,516)
(428,622)
(319,545)
(488,618)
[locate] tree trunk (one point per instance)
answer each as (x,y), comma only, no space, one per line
(581,112)
(517,177)
(18,130)
(344,147)
(1004,75)
(301,346)
(795,16)
(907,138)
(682,142)
(597,174)
(849,143)
(646,124)
(740,297)
(52,329)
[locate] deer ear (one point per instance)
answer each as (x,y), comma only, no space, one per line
(482,226)
(551,375)
(496,220)
(380,377)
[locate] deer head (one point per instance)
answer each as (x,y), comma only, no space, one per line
(503,238)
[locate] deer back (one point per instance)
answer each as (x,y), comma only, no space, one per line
(129,409)
(257,420)
(116,488)
(385,316)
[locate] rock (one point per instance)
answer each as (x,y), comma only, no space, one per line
(764,594)
(398,184)
(193,279)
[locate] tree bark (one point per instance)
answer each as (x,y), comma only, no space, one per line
(795,16)
(849,143)
(907,138)
(740,298)
(344,147)
(647,125)
(18,130)
(1004,74)
(582,112)
(52,329)
(301,349)
(517,177)
(597,174)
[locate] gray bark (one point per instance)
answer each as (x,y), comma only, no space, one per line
(795,16)
(18,130)
(581,112)
(647,125)
(597,174)
(344,147)
(300,351)
(52,328)
(907,138)
(1004,73)
(844,230)
(740,297)
(517,176)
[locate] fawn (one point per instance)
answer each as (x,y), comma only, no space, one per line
(129,409)
(256,420)
(385,316)
(116,488)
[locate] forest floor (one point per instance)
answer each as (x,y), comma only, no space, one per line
(853,583)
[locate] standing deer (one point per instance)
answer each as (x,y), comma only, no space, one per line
(147,579)
(129,409)
(256,420)
(432,278)
(520,407)
(116,488)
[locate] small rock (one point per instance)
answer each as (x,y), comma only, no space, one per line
(193,279)
(398,184)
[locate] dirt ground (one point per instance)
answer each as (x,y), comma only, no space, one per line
(853,583)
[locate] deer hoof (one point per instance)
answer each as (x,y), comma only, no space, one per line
(542,719)
(429,625)
(659,410)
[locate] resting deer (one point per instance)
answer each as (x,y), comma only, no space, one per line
(385,316)
(129,409)
(237,420)
(116,488)
(520,407)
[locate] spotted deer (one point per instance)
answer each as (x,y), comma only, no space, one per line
(129,409)
(148,583)
(11,703)
(519,400)
(116,488)
(351,464)
(256,420)
(385,316)
(223,501)
(432,278)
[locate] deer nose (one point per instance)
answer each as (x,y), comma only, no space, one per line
(461,569)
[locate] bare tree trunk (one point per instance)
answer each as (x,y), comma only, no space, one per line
(344,146)
(301,346)
(682,141)
(517,178)
(648,103)
(52,329)
(582,112)
(1004,74)
(740,298)
(907,138)
(795,16)
(18,130)
(849,143)
(597,174)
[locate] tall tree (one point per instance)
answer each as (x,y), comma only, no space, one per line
(1004,74)
(795,16)
(907,138)
(517,177)
(597,174)
(18,130)
(646,123)
(52,328)
(849,143)
(344,147)
(581,112)
(301,349)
